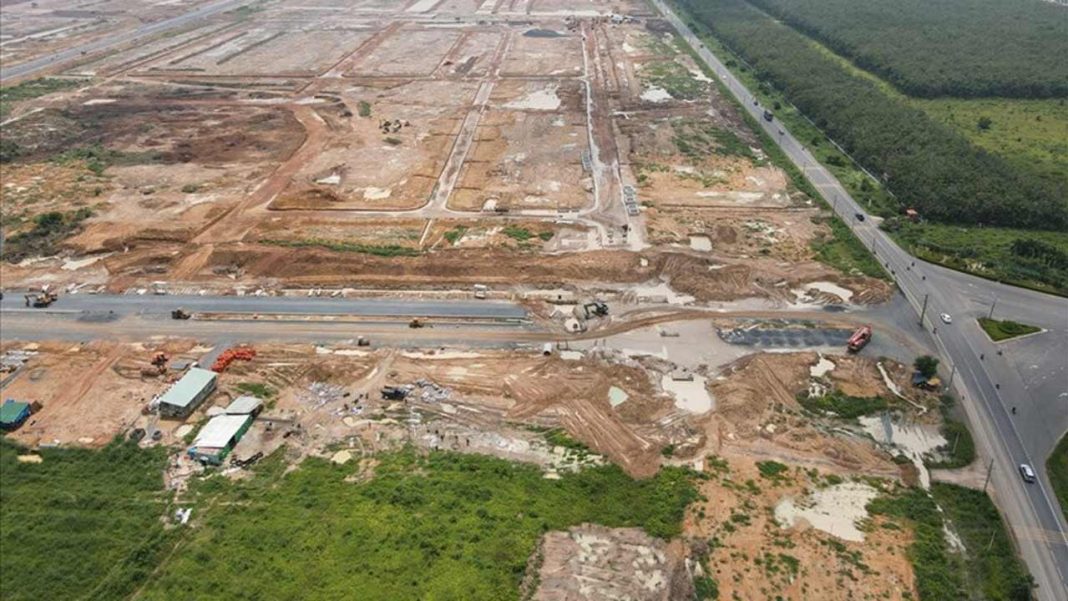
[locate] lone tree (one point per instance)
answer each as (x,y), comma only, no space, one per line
(985,123)
(926,365)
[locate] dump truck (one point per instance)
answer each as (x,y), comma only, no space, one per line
(859,339)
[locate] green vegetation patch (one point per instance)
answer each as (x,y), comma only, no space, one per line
(1027,133)
(1036,260)
(48,230)
(519,234)
(928,166)
(1057,469)
(1004,330)
(959,450)
(843,250)
(443,526)
(992,569)
(698,139)
(988,568)
(257,389)
(842,405)
(98,158)
(675,79)
(363,108)
(82,524)
(454,235)
(33,89)
(379,250)
(961,48)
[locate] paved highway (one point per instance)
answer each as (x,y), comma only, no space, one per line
(130,304)
(982,378)
(35,66)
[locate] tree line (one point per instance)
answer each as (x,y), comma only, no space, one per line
(925,164)
(962,48)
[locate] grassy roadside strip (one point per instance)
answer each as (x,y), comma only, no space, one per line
(81,524)
(1004,330)
(1057,470)
(36,88)
(976,250)
(378,250)
(843,250)
(984,566)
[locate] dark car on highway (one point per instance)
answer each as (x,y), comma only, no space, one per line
(859,216)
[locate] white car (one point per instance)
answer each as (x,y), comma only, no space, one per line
(1027,473)
(946,318)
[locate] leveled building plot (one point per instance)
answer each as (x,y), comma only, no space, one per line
(589,8)
(126,59)
(528,150)
(388,155)
(525,160)
(407,53)
(544,52)
(207,56)
(471,57)
(297,53)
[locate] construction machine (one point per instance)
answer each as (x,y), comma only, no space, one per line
(159,365)
(39,301)
(180,313)
(595,309)
(416,323)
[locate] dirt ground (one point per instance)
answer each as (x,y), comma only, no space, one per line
(752,556)
(328,402)
(192,149)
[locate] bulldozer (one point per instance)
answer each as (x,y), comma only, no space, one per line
(39,301)
(180,313)
(416,323)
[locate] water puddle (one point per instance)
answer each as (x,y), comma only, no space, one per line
(910,439)
(690,395)
(701,243)
(834,510)
(617,396)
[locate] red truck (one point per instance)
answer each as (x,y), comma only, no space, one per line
(859,339)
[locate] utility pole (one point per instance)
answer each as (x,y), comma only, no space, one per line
(992,305)
(989,469)
(924,310)
(952,372)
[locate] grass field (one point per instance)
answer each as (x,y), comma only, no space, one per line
(1057,468)
(445,526)
(81,524)
(86,525)
(1004,330)
(987,568)
(1030,134)
(987,252)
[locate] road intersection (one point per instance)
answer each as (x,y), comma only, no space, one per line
(982,377)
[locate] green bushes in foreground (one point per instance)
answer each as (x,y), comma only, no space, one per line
(82,524)
(443,526)
(986,568)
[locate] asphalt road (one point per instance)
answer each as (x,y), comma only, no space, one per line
(131,304)
(124,37)
(981,377)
